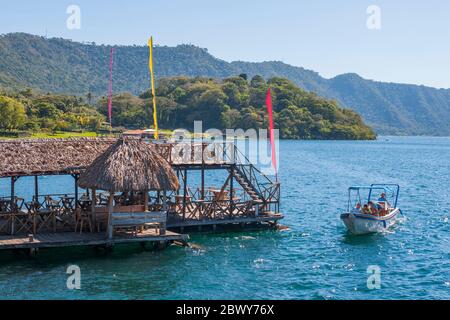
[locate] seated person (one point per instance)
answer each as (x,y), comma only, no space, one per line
(366,209)
(383,204)
(357,208)
(373,208)
(383,201)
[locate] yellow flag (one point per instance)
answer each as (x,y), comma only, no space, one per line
(152,78)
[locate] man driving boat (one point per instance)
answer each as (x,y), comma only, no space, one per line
(382,204)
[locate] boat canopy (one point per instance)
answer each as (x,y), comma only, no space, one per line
(356,194)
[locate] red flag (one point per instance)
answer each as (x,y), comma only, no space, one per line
(272,138)
(111,53)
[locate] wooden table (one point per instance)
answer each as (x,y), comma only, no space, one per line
(217,194)
(179,202)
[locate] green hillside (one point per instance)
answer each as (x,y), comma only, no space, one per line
(229,103)
(63,66)
(239,103)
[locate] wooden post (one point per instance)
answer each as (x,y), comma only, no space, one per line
(13,182)
(203,183)
(110,211)
(203,171)
(146,200)
(75,176)
(224,152)
(178,177)
(231,191)
(184,193)
(36,188)
(162,229)
(94,201)
(164,200)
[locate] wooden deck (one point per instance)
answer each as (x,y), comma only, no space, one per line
(68,239)
(272,217)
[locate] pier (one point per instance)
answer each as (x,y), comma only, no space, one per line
(105,210)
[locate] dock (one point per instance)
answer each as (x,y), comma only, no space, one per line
(235,220)
(71,239)
(108,206)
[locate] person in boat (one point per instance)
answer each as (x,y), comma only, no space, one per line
(373,208)
(383,205)
(357,208)
(383,201)
(366,209)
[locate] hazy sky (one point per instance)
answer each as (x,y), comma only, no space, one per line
(330,37)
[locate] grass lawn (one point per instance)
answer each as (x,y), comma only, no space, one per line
(48,135)
(63,134)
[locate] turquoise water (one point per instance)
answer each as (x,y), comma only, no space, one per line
(315,259)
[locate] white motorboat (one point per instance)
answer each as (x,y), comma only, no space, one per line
(376,215)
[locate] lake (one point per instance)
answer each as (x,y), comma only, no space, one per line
(315,259)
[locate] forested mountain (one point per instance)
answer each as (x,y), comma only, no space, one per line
(233,102)
(59,65)
(237,102)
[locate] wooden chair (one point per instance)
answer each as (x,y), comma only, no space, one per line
(6,220)
(45,220)
(82,217)
(22,222)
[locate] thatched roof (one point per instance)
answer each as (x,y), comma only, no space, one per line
(129,165)
(21,157)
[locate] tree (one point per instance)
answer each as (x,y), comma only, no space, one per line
(257,82)
(89,97)
(47,110)
(230,118)
(12,113)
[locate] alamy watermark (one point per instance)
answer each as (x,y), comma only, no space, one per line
(374,20)
(73,21)
(228,146)
(74,279)
(374,278)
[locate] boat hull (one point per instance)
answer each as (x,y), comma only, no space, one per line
(358,223)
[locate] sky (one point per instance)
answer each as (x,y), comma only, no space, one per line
(332,37)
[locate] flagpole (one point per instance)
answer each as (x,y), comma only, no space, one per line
(271,132)
(152,78)
(111,54)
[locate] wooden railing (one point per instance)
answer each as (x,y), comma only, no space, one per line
(226,152)
(196,152)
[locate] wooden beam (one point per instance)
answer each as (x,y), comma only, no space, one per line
(110,211)
(75,176)
(146,200)
(184,193)
(13,182)
(231,190)
(178,177)
(36,188)
(203,172)
(203,184)
(94,201)
(163,226)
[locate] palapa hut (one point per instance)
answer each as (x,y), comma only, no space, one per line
(130,166)
(28,157)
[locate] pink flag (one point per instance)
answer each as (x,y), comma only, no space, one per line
(272,138)
(111,53)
